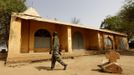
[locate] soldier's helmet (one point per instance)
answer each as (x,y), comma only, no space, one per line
(55,33)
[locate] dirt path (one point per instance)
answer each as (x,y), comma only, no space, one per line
(85,65)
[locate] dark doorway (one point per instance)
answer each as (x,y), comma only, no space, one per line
(77,42)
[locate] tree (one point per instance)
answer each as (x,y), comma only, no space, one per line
(127,16)
(6,9)
(75,21)
(122,22)
(127,12)
(111,23)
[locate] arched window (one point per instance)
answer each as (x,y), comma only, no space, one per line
(42,39)
(108,43)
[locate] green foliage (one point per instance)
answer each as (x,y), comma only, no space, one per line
(127,13)
(112,23)
(123,22)
(127,16)
(6,9)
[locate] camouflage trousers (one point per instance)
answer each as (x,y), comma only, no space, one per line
(58,59)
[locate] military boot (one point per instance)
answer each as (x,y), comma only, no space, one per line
(65,67)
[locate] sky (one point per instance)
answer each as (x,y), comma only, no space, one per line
(90,12)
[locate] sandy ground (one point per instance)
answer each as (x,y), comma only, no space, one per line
(85,65)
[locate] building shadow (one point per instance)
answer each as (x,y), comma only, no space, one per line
(127,52)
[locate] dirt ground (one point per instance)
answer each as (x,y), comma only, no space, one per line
(85,65)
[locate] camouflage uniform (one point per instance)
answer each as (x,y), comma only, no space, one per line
(56,52)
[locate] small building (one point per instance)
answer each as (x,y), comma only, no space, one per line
(31,36)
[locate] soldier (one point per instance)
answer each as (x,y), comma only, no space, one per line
(111,66)
(56,53)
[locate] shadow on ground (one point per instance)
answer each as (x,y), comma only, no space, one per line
(98,70)
(127,52)
(45,68)
(101,71)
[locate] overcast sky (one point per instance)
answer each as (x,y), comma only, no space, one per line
(90,12)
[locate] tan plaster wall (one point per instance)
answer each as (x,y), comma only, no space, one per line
(114,38)
(90,37)
(92,40)
(21,39)
(34,26)
(117,42)
(106,35)
(62,30)
(126,43)
(14,44)
(25,36)
(101,40)
(30,27)
(69,39)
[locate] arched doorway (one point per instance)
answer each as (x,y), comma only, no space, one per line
(77,41)
(42,39)
(108,43)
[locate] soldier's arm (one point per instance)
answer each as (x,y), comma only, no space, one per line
(51,49)
(60,51)
(50,52)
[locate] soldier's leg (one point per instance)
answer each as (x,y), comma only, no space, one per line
(61,62)
(53,61)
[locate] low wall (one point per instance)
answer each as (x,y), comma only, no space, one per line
(30,57)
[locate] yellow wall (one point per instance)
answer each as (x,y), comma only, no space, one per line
(14,44)
(92,40)
(25,36)
(90,37)
(35,26)
(114,38)
(117,40)
(101,40)
(104,36)
(21,38)
(30,27)
(62,30)
(69,39)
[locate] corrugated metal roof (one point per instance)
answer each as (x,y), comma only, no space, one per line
(36,18)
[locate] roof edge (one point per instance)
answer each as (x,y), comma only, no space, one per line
(37,18)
